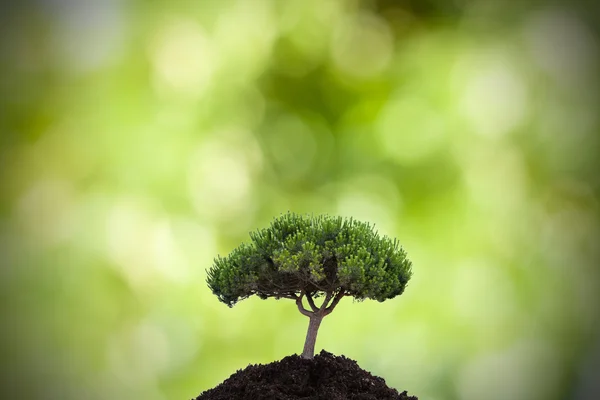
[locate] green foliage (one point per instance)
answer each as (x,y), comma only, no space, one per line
(312,255)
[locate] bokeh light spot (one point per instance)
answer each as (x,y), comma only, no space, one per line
(139,354)
(408,130)
(129,238)
(47,212)
(491,286)
(168,259)
(362,45)
(370,198)
(494,97)
(244,35)
(484,167)
(183,57)
(292,146)
(220,174)
(307,27)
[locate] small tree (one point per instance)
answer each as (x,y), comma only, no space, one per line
(309,257)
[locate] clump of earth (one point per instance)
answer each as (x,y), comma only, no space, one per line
(325,377)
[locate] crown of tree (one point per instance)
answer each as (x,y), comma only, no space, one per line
(299,257)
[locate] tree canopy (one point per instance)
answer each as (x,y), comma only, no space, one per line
(312,256)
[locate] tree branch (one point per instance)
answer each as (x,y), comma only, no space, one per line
(301,308)
(311,302)
(318,287)
(335,301)
(324,305)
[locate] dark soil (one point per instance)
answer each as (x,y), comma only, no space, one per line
(326,377)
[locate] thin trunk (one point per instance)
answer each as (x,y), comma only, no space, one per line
(311,336)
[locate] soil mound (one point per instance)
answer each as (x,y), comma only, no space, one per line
(326,377)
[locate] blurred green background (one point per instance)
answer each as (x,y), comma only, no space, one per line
(140,139)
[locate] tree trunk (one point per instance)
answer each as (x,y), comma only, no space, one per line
(311,336)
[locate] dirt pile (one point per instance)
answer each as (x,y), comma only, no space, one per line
(326,377)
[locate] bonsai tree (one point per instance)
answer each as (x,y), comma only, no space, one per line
(309,257)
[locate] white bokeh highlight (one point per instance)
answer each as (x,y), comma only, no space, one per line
(493,96)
